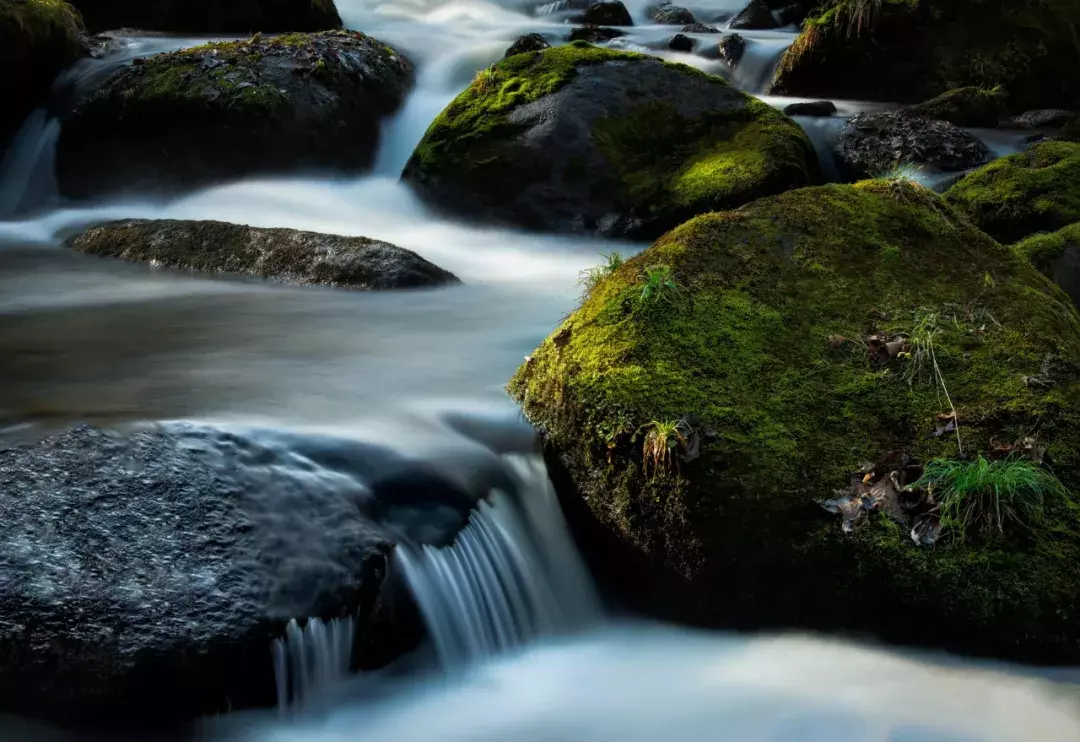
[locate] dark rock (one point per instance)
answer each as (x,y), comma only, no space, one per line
(606,13)
(595,34)
(681,43)
(811,108)
(970,106)
(1057,256)
(532,42)
(285,255)
(620,145)
(699,28)
(672,15)
(870,145)
(210,16)
(756,15)
(1070,132)
(225,110)
(732,46)
(1044,118)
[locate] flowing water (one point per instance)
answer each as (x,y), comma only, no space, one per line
(510,610)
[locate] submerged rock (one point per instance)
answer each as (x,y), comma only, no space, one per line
(811,108)
(756,15)
(1033,191)
(672,15)
(871,145)
(595,34)
(699,28)
(1057,256)
(584,139)
(681,43)
(970,106)
(210,16)
(607,13)
(285,255)
(532,42)
(225,110)
(1044,118)
(706,396)
(37,40)
(732,46)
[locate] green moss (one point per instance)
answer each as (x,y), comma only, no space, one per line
(44,21)
(1042,249)
(1032,191)
(785,415)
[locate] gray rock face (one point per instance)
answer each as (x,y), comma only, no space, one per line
(871,145)
(1049,118)
(285,255)
(673,15)
(732,46)
(699,28)
(532,42)
(229,109)
(607,13)
(756,15)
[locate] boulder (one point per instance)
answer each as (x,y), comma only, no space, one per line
(595,34)
(606,13)
(230,109)
(38,38)
(874,144)
(210,16)
(1057,256)
(672,15)
(589,140)
(1045,118)
(1016,196)
(714,391)
(732,46)
(811,108)
(970,106)
(756,15)
(285,255)
(681,43)
(532,42)
(699,28)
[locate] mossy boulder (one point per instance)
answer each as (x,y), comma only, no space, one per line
(210,16)
(584,139)
(970,106)
(1033,191)
(229,109)
(751,352)
(38,38)
(1057,256)
(909,51)
(530,42)
(285,255)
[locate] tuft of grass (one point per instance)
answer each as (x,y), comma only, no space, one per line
(659,284)
(985,494)
(660,442)
(487,80)
(590,277)
(924,357)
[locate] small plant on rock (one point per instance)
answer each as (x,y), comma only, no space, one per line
(923,357)
(659,284)
(661,440)
(486,80)
(590,277)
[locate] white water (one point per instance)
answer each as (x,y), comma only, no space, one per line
(310,659)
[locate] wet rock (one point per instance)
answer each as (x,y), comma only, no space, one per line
(871,145)
(210,16)
(756,15)
(606,13)
(595,34)
(1045,118)
(672,15)
(971,106)
(285,255)
(681,43)
(699,28)
(37,40)
(1057,256)
(532,42)
(224,110)
(619,145)
(811,108)
(732,46)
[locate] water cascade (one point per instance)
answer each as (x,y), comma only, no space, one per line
(310,659)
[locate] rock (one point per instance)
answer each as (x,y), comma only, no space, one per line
(1070,132)
(1016,196)
(681,43)
(908,52)
(606,13)
(970,106)
(210,16)
(873,144)
(595,34)
(699,28)
(37,40)
(608,143)
(532,42)
(1046,118)
(230,109)
(732,46)
(777,409)
(672,15)
(756,15)
(811,108)
(285,255)
(1057,256)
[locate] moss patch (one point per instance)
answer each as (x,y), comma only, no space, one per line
(43,21)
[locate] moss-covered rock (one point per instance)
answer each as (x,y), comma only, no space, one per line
(911,50)
(751,352)
(210,16)
(970,106)
(1033,191)
(38,38)
(229,109)
(285,255)
(585,139)
(1057,256)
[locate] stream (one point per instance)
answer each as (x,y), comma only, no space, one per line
(522,647)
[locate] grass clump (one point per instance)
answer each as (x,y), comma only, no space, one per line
(658,284)
(661,441)
(591,277)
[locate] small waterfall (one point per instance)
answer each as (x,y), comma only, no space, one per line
(310,659)
(512,575)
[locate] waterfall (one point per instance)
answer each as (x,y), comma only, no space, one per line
(309,659)
(512,575)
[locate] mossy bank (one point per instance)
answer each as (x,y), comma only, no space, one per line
(584,139)
(757,340)
(1057,256)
